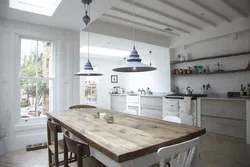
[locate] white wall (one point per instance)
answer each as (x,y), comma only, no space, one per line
(66,57)
(158,81)
(104,66)
(221,83)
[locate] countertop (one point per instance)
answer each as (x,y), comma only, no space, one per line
(129,137)
(142,95)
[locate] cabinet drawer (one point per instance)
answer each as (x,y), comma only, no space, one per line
(228,127)
(133,99)
(132,110)
(235,109)
(172,113)
(157,114)
(152,102)
(171,105)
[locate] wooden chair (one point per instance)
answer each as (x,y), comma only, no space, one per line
(82,152)
(81,106)
(178,155)
(172,119)
(55,147)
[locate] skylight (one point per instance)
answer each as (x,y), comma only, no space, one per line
(104,51)
(43,7)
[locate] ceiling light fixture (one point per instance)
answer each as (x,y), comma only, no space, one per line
(86,18)
(88,68)
(133,61)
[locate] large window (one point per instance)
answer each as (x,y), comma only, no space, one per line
(36,78)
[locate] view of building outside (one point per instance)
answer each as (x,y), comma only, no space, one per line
(91,89)
(35,78)
(90,92)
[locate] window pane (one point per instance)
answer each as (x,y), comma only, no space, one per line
(44,59)
(90,91)
(28,98)
(28,58)
(44,98)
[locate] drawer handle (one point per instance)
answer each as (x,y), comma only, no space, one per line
(172,105)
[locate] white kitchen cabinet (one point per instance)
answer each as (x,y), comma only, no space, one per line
(175,107)
(151,107)
(118,103)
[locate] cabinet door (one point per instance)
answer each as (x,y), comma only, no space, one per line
(171,105)
(132,110)
(234,109)
(118,103)
(151,103)
(151,113)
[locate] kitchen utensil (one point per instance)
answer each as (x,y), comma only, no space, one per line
(208,69)
(189,90)
(218,67)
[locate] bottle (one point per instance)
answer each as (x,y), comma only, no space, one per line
(241,90)
(248,90)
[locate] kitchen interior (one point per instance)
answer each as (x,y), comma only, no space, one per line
(192,64)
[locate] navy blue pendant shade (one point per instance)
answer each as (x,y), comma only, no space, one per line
(134,64)
(88,71)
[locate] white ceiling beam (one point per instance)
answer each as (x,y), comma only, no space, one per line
(150,20)
(140,24)
(210,10)
(163,14)
(235,8)
(188,12)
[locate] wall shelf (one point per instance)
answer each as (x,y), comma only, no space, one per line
(213,57)
(210,73)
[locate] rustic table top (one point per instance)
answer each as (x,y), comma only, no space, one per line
(128,137)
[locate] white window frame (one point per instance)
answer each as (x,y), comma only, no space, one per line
(34,119)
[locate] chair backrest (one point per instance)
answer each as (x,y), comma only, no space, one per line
(172,119)
(54,127)
(180,154)
(81,106)
(76,147)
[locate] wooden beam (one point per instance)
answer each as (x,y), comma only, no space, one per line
(235,8)
(149,19)
(163,14)
(207,8)
(188,12)
(140,24)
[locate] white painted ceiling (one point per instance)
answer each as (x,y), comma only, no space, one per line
(68,14)
(109,42)
(184,16)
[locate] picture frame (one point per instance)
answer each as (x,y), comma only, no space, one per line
(114,78)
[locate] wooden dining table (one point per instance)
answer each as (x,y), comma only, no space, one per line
(130,141)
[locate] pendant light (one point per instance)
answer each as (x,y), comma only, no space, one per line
(88,69)
(86,18)
(133,61)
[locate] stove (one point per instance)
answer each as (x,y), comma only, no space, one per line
(181,96)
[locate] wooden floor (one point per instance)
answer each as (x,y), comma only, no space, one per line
(218,152)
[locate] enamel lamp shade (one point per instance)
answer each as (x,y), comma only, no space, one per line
(88,71)
(134,64)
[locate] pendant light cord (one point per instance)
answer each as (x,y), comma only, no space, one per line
(134,23)
(88,32)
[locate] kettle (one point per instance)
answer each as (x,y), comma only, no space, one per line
(189,90)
